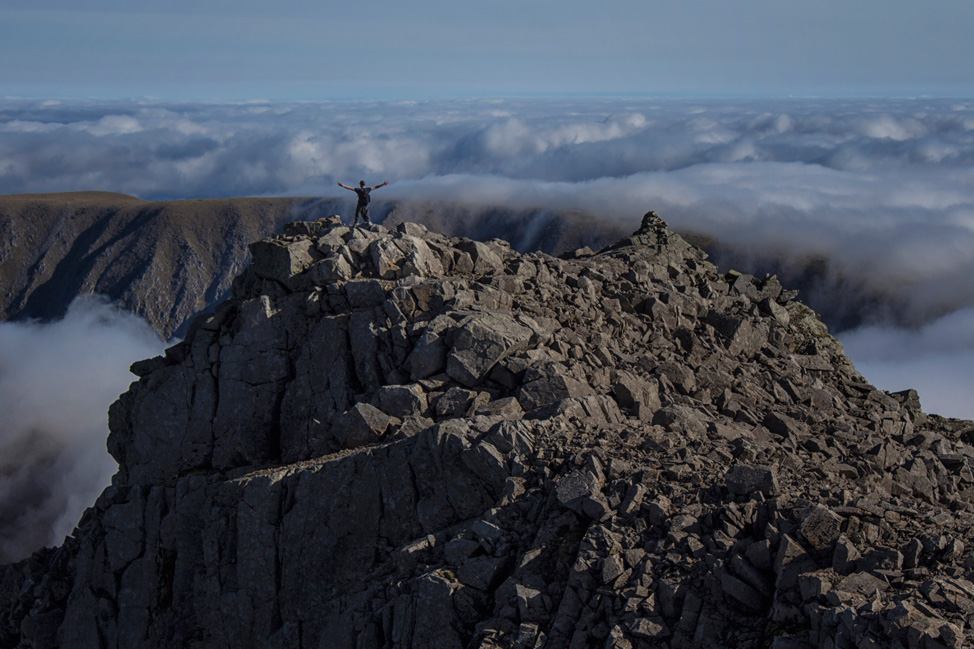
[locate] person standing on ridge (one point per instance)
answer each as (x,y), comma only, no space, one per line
(362,208)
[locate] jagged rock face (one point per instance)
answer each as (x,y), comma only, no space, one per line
(399,439)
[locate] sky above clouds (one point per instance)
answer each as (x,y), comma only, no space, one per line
(385,49)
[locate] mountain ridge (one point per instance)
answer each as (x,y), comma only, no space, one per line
(393,438)
(162,260)
(167,261)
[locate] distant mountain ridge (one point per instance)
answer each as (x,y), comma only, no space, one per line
(170,260)
(163,260)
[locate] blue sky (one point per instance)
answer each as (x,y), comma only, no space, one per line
(380,49)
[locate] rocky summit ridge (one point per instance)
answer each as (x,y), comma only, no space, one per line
(400,439)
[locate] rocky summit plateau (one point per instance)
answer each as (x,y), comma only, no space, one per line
(393,438)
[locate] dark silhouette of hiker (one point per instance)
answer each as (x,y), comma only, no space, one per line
(362,208)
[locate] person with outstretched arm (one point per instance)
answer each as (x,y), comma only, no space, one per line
(362,207)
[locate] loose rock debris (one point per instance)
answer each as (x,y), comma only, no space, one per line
(398,439)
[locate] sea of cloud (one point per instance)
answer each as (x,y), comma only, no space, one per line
(56,382)
(866,205)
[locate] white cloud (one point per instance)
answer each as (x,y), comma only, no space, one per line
(869,205)
(23,126)
(937,360)
(892,128)
(944,336)
(56,383)
(112,125)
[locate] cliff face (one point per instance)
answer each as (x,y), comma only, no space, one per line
(398,439)
(164,260)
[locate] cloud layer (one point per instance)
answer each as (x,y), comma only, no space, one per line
(867,205)
(159,150)
(940,354)
(56,383)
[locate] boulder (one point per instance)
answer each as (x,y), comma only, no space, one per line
(821,528)
(746,480)
(281,260)
(480,343)
(360,425)
(550,385)
(484,258)
(401,400)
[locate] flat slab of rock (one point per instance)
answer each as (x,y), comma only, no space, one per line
(481,343)
(401,400)
(362,424)
(747,479)
(280,260)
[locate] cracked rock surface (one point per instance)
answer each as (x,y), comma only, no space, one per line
(399,439)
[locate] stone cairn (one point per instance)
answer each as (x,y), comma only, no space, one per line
(397,439)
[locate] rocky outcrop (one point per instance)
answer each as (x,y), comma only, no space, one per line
(168,261)
(399,439)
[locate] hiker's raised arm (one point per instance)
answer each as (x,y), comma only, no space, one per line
(381,185)
(345,186)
